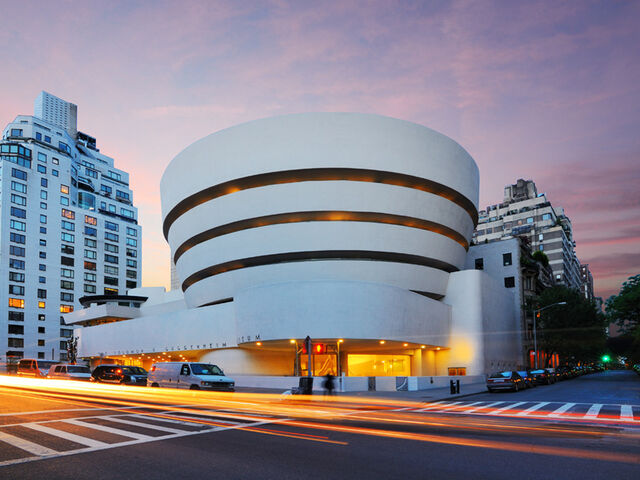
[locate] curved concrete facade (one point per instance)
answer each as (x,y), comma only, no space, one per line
(347,228)
(335,196)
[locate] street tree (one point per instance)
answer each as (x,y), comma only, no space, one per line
(575,331)
(624,310)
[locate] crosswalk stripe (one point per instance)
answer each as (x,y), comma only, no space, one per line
(146,425)
(26,445)
(448,406)
(559,411)
(535,407)
(431,405)
(593,411)
(481,407)
(166,420)
(505,408)
(626,413)
(469,405)
(115,431)
(66,435)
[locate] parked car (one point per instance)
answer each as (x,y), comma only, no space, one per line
(505,381)
(65,371)
(122,374)
(191,375)
(31,367)
(527,377)
(542,377)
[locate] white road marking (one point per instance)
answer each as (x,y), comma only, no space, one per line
(535,407)
(27,446)
(66,435)
(115,431)
(469,405)
(505,408)
(557,413)
(481,407)
(43,453)
(626,413)
(450,405)
(431,405)
(593,411)
(145,425)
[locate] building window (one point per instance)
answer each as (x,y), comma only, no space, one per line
(66,285)
(66,273)
(66,309)
(67,237)
(42,267)
(18,200)
(111,226)
(16,225)
(110,258)
(89,288)
(64,201)
(42,304)
(509,282)
(19,174)
(17,264)
(90,220)
(16,132)
(64,189)
(91,254)
(89,265)
(66,297)
(67,249)
(68,226)
(506,259)
(132,242)
(41,317)
(90,231)
(68,261)
(17,251)
(108,247)
(132,232)
(70,214)
(111,236)
(43,230)
(41,329)
(90,277)
(16,342)
(16,277)
(110,270)
(17,238)
(42,169)
(42,293)
(479,264)
(42,279)
(132,263)
(16,302)
(16,290)
(16,316)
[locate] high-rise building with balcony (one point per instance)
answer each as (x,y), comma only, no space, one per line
(68,228)
(526,213)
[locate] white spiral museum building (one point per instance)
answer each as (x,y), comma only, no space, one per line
(348,228)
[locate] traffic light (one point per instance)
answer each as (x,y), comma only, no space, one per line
(538,315)
(319,348)
(605,358)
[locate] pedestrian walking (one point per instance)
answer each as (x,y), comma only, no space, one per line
(328,385)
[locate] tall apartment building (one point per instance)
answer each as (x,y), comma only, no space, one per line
(68,228)
(524,212)
(587,282)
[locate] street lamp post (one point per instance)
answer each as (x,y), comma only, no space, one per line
(535,336)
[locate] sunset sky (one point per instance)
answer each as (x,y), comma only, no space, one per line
(548,91)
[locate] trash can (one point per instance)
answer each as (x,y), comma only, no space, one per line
(305,386)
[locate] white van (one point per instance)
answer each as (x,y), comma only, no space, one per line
(191,375)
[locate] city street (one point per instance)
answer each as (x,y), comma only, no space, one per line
(588,427)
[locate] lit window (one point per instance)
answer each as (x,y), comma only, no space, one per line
(66,308)
(68,214)
(90,220)
(64,189)
(41,304)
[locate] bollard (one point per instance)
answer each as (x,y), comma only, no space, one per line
(458,386)
(452,387)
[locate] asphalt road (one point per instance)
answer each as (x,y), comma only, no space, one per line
(77,435)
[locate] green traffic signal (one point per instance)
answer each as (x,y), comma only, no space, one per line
(605,358)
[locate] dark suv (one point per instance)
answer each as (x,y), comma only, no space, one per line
(122,374)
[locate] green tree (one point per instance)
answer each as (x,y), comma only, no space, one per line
(624,310)
(575,331)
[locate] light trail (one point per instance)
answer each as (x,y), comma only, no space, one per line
(311,412)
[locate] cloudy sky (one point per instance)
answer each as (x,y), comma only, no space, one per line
(548,91)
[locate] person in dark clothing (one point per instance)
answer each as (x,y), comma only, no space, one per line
(329,385)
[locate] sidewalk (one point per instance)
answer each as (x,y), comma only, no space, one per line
(429,395)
